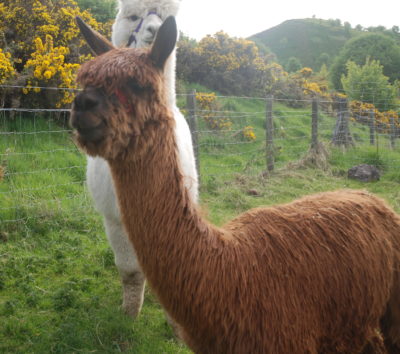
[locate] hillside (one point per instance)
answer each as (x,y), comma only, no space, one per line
(305,39)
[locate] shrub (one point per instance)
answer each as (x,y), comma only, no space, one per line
(208,105)
(42,47)
(248,133)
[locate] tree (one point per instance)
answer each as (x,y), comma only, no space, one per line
(323,59)
(293,65)
(367,83)
(375,46)
(186,57)
(347,28)
(102,10)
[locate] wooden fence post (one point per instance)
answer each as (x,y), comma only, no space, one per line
(341,134)
(192,120)
(392,133)
(269,128)
(372,127)
(314,124)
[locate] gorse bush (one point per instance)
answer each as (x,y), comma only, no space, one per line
(42,47)
(228,65)
(50,69)
(208,106)
(7,70)
(248,133)
(362,112)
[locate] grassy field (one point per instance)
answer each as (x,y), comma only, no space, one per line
(59,288)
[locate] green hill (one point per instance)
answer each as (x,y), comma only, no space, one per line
(305,39)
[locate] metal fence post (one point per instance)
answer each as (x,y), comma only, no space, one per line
(269,128)
(192,120)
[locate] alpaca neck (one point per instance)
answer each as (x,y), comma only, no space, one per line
(170,238)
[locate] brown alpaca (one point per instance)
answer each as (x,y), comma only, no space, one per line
(313,276)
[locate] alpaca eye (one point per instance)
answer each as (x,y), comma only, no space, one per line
(135,87)
(134,18)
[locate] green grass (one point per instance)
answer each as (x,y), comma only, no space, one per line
(59,289)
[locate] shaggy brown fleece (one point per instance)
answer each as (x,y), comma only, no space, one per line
(313,276)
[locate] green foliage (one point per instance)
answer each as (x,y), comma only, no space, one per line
(293,65)
(305,39)
(376,46)
(324,59)
(102,10)
(228,65)
(367,83)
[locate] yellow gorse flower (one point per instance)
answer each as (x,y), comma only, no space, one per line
(362,112)
(206,102)
(49,67)
(7,70)
(44,32)
(248,133)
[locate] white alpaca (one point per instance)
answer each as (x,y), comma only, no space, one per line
(136,24)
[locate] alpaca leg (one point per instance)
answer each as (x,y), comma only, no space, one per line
(133,292)
(391,321)
(133,280)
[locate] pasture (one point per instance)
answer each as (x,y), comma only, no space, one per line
(59,288)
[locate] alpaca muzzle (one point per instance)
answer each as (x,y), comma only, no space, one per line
(84,120)
(133,41)
(88,127)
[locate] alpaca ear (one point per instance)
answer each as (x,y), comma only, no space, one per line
(97,43)
(165,42)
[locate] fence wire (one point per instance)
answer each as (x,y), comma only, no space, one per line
(42,173)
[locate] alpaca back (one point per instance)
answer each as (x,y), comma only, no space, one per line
(328,266)
(311,276)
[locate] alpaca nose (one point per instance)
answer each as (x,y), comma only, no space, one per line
(84,102)
(84,116)
(152,29)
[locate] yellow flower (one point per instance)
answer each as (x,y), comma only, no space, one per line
(248,133)
(47,74)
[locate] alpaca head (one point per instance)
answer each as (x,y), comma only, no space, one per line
(138,21)
(123,102)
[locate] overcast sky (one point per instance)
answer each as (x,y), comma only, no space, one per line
(198,18)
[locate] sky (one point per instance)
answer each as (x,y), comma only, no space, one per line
(243,19)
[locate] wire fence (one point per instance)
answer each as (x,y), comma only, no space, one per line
(274,136)
(42,173)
